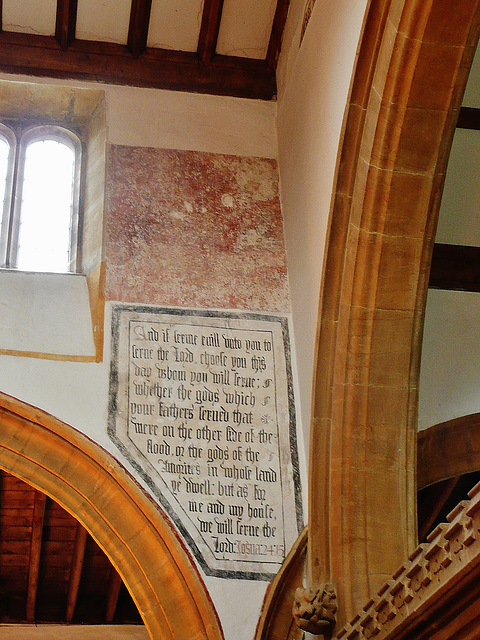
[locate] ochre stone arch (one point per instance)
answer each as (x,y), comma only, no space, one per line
(133,532)
(412,66)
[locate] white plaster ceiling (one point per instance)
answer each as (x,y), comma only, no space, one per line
(174,24)
(106,20)
(33,16)
(245,28)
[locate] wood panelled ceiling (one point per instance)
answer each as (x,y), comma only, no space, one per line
(51,570)
(27,46)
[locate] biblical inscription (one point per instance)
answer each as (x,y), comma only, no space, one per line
(202,403)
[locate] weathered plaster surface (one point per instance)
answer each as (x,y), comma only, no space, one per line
(195,230)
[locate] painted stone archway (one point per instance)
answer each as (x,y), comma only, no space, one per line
(133,532)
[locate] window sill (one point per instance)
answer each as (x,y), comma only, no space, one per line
(50,315)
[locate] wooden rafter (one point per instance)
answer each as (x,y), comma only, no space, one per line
(455,268)
(112,63)
(207,40)
(469,118)
(76,570)
(66,22)
(61,544)
(138,27)
(112,595)
(35,553)
(448,450)
(277,32)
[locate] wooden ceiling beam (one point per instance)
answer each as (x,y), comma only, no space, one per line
(35,553)
(207,40)
(66,22)
(469,118)
(112,63)
(112,595)
(455,268)
(78,558)
(277,31)
(138,27)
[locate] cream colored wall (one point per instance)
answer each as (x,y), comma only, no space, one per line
(450,371)
(314,81)
(66,331)
(172,120)
(450,367)
(77,392)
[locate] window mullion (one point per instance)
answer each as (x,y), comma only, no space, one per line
(7,210)
(15,207)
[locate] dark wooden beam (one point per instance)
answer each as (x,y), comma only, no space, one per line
(455,268)
(112,595)
(431,505)
(112,63)
(1,15)
(469,118)
(35,553)
(277,33)
(66,22)
(138,28)
(207,40)
(81,536)
(448,450)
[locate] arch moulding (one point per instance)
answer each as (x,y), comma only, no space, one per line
(133,532)
(413,61)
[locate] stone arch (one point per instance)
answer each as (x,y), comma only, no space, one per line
(131,529)
(412,66)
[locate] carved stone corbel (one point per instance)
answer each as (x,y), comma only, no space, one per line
(315,608)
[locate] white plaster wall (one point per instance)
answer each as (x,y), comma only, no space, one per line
(450,365)
(314,82)
(187,121)
(459,219)
(77,393)
(135,117)
(45,313)
(450,370)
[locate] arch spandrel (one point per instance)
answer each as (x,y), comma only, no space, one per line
(132,531)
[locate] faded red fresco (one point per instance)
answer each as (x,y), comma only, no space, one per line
(193,229)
